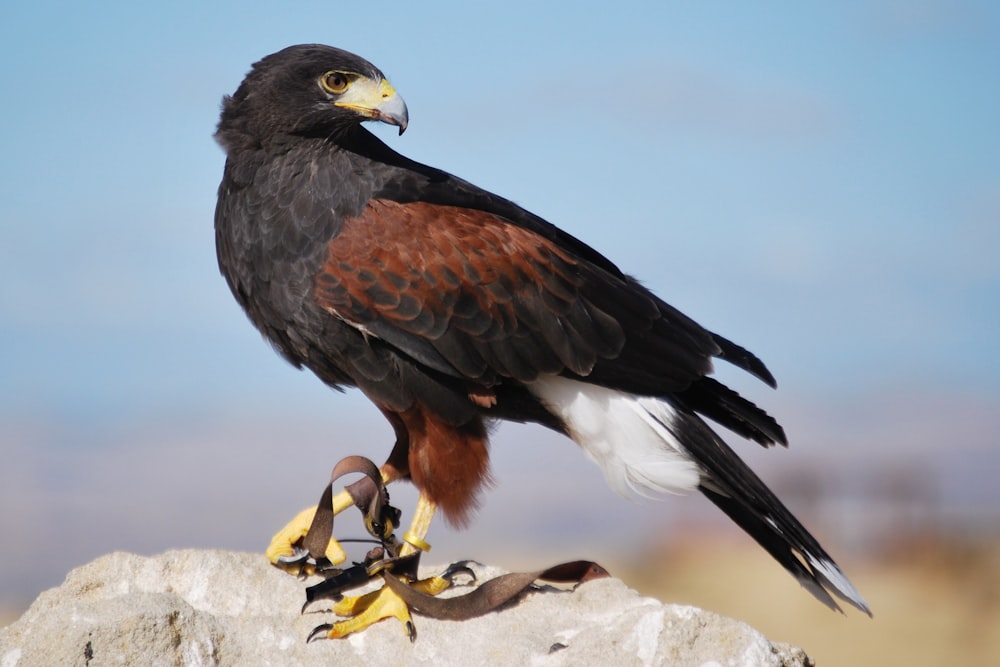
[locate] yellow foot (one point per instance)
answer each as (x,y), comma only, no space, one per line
(285,551)
(370,608)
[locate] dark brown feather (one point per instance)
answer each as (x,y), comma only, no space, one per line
(448,463)
(491,299)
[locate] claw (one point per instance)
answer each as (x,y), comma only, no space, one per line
(286,553)
(459,568)
(301,565)
(297,563)
(318,631)
(298,557)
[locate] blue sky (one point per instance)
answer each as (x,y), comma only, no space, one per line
(820,183)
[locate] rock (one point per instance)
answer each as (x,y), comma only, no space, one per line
(196,607)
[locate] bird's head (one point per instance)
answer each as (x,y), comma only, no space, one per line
(307,90)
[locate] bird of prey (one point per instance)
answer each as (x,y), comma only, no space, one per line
(451,308)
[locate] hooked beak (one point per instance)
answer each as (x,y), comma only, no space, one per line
(376,101)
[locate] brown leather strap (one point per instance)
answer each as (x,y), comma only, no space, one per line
(321,528)
(491,594)
(369,496)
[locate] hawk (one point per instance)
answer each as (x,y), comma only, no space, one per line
(452,308)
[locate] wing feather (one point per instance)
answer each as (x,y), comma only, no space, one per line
(491,298)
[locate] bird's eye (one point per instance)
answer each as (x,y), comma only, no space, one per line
(335,82)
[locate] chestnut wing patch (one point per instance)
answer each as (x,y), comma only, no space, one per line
(465,292)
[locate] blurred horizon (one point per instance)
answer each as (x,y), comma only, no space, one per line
(820,184)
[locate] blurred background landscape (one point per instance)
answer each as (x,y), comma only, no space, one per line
(818,183)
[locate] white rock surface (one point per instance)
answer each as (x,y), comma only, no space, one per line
(199,608)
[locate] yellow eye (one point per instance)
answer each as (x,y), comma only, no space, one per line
(335,82)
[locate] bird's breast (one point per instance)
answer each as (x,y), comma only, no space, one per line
(274,224)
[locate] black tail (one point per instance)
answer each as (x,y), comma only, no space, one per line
(729,483)
(714,400)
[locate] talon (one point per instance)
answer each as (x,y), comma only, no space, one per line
(459,568)
(300,568)
(299,557)
(301,565)
(297,564)
(286,553)
(318,631)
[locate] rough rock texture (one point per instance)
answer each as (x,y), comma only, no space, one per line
(222,608)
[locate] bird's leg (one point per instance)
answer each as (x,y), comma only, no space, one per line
(413,538)
(285,550)
(367,609)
